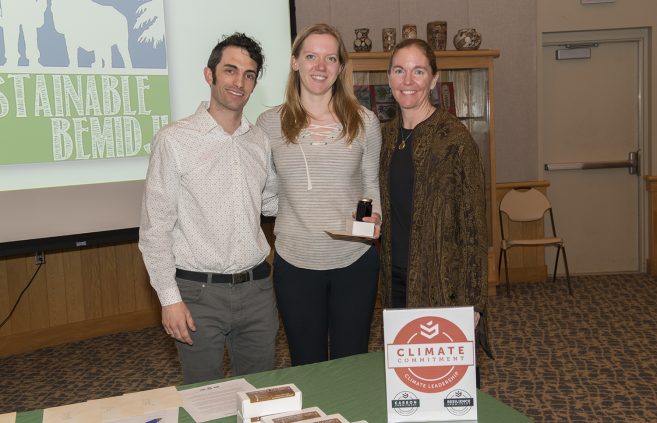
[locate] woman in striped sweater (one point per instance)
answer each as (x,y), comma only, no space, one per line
(325,148)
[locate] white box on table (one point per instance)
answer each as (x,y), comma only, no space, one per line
(268,400)
(294,416)
(332,418)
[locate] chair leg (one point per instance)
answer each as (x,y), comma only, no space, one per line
(565,262)
(499,264)
(556,263)
(506,272)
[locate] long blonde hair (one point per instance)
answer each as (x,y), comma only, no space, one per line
(343,101)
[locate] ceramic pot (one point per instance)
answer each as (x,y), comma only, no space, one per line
(389,37)
(437,35)
(467,39)
(362,41)
(409,31)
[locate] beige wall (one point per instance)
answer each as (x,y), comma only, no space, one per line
(570,15)
(507,25)
(512,26)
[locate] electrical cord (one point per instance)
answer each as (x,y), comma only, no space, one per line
(18,300)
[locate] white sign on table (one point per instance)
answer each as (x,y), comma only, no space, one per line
(430,364)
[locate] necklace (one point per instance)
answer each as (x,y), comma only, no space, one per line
(402,144)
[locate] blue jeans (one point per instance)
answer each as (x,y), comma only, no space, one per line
(240,317)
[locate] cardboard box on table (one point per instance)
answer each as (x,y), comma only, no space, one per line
(430,364)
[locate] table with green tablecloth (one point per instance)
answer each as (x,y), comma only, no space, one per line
(354,387)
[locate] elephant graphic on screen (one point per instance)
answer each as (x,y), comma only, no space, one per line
(92,27)
(27,15)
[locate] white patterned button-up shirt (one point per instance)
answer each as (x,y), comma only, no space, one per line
(205,190)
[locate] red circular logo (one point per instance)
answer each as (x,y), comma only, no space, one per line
(430,330)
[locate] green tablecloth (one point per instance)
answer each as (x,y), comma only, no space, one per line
(352,386)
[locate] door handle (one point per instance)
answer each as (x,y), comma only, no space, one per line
(632,163)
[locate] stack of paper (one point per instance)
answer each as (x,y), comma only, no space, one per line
(157,405)
(214,401)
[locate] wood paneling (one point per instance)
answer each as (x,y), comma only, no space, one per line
(75,295)
(4,300)
(125,277)
(37,297)
(18,278)
(56,284)
(651,187)
(108,282)
(74,285)
(93,300)
(39,338)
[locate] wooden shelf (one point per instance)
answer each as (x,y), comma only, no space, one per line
(448,59)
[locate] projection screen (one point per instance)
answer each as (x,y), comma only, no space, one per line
(84,84)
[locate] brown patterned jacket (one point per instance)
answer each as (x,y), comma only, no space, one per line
(448,257)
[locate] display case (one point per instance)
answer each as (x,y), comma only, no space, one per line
(465,89)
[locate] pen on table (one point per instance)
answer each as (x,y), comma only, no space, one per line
(154,420)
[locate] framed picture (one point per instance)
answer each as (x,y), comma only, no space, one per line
(377,98)
(383,94)
(442,96)
(386,111)
(364,95)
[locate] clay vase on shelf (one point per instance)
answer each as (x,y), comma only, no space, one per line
(467,39)
(409,31)
(437,35)
(362,41)
(389,37)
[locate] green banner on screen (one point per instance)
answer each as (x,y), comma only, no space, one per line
(81,80)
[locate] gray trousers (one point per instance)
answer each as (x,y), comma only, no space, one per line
(241,317)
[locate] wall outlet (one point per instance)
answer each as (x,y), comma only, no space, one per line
(39,258)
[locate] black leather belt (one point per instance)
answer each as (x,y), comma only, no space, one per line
(261,271)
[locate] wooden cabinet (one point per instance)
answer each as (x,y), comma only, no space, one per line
(470,77)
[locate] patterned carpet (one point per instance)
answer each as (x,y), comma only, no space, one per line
(591,357)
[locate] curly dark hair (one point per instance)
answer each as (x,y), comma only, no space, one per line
(240,40)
